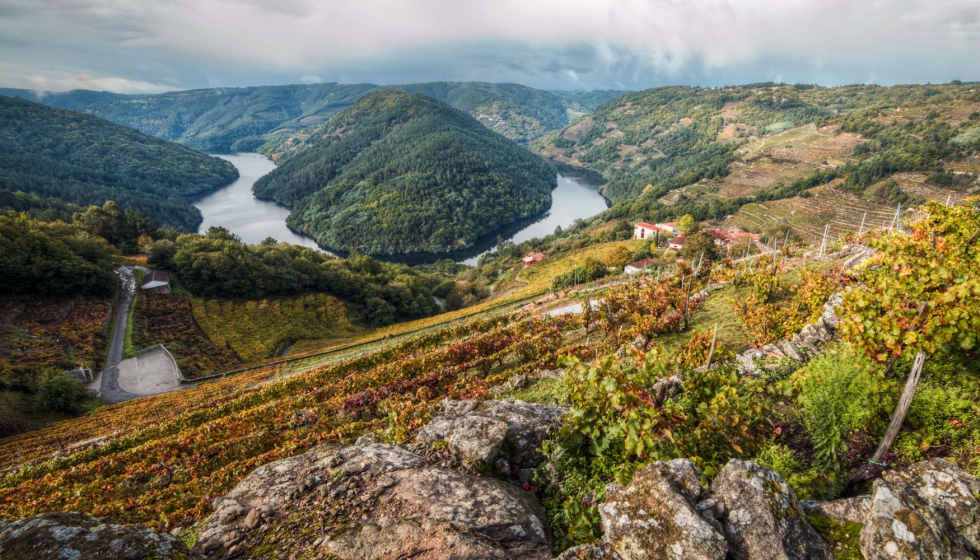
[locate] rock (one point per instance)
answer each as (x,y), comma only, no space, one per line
(552,373)
(862,254)
(791,350)
(376,501)
(73,536)
(929,510)
(667,388)
(654,516)
(854,509)
(808,331)
(746,360)
(773,350)
(764,518)
(595,551)
(476,430)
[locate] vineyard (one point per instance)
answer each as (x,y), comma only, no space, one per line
(51,335)
(161,461)
(257,330)
(167,319)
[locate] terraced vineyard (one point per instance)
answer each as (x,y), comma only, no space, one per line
(162,460)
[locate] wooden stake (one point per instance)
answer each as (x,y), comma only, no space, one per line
(711,352)
(898,417)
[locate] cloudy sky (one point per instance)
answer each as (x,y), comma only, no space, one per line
(159,45)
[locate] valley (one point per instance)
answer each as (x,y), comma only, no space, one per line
(809,257)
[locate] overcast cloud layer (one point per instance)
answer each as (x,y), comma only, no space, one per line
(149,46)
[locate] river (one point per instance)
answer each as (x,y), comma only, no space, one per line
(236,209)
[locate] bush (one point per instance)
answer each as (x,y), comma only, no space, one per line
(840,392)
(12,421)
(780,459)
(591,270)
(59,392)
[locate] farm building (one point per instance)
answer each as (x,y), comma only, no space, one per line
(157,282)
(638,266)
(533,258)
(644,230)
(677,243)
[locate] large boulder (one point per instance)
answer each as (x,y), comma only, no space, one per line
(595,551)
(373,501)
(929,510)
(73,536)
(655,516)
(477,430)
(763,518)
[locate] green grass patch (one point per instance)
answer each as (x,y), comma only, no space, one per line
(129,349)
(545,391)
(843,538)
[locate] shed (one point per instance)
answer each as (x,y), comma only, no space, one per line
(533,258)
(678,242)
(157,282)
(638,266)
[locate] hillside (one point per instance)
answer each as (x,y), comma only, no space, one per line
(809,400)
(85,160)
(243,119)
(709,151)
(402,173)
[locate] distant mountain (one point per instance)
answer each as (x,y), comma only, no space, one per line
(403,173)
(85,160)
(243,119)
(590,99)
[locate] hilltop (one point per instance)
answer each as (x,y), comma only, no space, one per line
(85,160)
(403,173)
(245,119)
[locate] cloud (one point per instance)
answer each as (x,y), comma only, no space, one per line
(16,76)
(550,43)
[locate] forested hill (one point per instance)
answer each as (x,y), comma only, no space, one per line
(244,119)
(402,173)
(86,160)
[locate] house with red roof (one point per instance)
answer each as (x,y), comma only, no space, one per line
(533,258)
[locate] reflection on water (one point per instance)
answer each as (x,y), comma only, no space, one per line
(236,209)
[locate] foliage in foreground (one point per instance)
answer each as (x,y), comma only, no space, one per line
(617,425)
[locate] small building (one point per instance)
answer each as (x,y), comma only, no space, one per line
(533,258)
(157,282)
(721,238)
(677,243)
(644,230)
(638,266)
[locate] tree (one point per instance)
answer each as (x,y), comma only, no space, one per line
(697,244)
(619,257)
(686,224)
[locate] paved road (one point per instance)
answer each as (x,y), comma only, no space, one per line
(110,391)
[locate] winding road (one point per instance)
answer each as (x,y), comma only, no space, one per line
(109,390)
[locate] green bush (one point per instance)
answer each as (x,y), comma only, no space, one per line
(59,392)
(780,459)
(591,270)
(840,392)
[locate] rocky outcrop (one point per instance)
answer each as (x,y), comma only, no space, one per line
(763,518)
(655,516)
(478,430)
(928,511)
(73,536)
(374,501)
(596,551)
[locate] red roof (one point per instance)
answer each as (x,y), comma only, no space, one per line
(535,257)
(640,265)
(645,225)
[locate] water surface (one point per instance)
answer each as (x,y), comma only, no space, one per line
(236,208)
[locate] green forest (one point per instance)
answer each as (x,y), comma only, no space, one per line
(401,173)
(85,160)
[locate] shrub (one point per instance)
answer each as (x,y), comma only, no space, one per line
(840,392)
(780,459)
(12,421)
(59,392)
